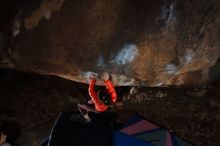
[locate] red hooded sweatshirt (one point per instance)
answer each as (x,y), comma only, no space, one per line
(101,107)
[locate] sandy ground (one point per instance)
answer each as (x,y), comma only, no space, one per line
(32,103)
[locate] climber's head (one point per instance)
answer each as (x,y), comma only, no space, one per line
(104,97)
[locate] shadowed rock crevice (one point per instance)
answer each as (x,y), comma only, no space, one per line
(214,71)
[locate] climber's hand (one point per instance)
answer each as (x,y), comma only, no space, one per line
(105,76)
(93,76)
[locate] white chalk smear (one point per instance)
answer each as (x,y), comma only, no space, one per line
(187,58)
(170,68)
(87,75)
(126,55)
(164,13)
(125,81)
(47,15)
(100,61)
(168,15)
(159,84)
(172,17)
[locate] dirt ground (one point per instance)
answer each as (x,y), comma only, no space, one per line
(31,104)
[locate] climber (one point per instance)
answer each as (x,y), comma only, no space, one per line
(102,99)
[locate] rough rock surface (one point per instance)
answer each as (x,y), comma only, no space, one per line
(144,43)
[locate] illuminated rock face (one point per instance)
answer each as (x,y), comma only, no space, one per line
(152,43)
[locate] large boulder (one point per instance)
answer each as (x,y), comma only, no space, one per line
(140,43)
